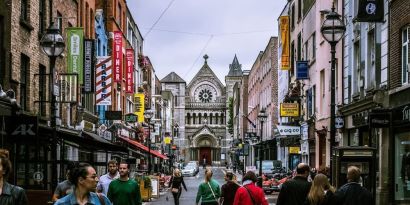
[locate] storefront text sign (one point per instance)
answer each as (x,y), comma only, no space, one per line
(75,54)
(289,130)
(129,74)
(103,80)
(289,109)
(117,54)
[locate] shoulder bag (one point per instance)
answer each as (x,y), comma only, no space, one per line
(253,200)
(213,193)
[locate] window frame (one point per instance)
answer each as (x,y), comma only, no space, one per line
(405,59)
(24,10)
(24,81)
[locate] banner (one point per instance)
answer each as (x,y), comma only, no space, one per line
(103,80)
(117,56)
(302,70)
(89,66)
(75,51)
(289,109)
(129,75)
(370,11)
(284,38)
(139,100)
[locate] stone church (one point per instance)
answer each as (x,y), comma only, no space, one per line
(203,132)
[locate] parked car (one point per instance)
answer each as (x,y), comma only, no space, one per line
(195,164)
(189,170)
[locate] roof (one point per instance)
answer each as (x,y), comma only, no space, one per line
(235,69)
(172,78)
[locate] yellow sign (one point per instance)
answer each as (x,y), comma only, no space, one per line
(294,150)
(167,140)
(284,38)
(289,109)
(139,100)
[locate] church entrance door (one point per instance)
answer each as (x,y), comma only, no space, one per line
(205,152)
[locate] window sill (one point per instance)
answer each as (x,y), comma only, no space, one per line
(25,24)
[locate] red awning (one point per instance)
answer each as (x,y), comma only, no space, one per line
(144,148)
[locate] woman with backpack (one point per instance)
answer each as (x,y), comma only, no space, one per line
(249,193)
(176,181)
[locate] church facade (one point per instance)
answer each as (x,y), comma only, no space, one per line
(204,119)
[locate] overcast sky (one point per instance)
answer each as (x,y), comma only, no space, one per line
(189,29)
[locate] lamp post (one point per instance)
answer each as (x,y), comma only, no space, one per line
(332,30)
(52,44)
(262,118)
(148,115)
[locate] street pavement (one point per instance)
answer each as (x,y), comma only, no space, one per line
(192,183)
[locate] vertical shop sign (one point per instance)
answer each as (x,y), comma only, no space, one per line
(88,66)
(75,55)
(129,85)
(284,38)
(139,100)
(117,54)
(103,80)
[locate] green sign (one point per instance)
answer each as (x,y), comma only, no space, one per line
(75,52)
(130,118)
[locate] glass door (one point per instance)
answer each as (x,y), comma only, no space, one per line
(402,167)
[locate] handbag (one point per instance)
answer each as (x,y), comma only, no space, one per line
(174,190)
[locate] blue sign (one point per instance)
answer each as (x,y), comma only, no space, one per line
(302,70)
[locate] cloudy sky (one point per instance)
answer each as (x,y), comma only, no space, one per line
(189,29)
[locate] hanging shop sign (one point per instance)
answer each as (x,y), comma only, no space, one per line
(117,56)
(302,70)
(294,150)
(89,66)
(288,130)
(284,39)
(130,117)
(139,100)
(103,80)
(129,74)
(289,110)
(75,54)
(370,11)
(113,115)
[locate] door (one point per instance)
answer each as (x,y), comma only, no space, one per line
(205,153)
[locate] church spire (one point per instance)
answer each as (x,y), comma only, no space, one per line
(235,69)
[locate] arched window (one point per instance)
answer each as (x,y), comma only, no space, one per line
(210,119)
(200,118)
(216,118)
(206,118)
(188,118)
(222,118)
(194,120)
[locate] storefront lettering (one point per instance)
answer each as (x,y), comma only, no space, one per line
(406,113)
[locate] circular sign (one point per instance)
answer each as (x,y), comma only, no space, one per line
(371,8)
(38,176)
(339,122)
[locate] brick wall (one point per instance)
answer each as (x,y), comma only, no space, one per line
(399,17)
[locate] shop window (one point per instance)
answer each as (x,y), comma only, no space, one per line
(402,166)
(20,174)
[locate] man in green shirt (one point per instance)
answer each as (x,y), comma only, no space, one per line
(124,191)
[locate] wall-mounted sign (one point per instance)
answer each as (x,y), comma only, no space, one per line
(75,51)
(103,80)
(129,74)
(370,11)
(139,100)
(288,130)
(117,56)
(167,140)
(89,66)
(130,117)
(294,150)
(284,39)
(302,70)
(289,110)
(339,123)
(113,115)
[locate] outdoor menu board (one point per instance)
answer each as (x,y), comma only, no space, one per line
(155,186)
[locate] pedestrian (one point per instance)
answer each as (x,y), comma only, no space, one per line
(124,191)
(176,181)
(105,180)
(249,193)
(204,162)
(208,191)
(228,190)
(353,193)
(295,191)
(85,179)
(9,194)
(321,192)
(65,187)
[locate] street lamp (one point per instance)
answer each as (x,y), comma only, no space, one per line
(262,118)
(52,44)
(333,29)
(148,115)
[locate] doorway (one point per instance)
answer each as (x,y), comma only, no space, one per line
(205,152)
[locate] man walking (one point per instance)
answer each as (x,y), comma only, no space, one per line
(124,191)
(105,180)
(295,191)
(353,193)
(228,190)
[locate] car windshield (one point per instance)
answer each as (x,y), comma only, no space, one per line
(189,167)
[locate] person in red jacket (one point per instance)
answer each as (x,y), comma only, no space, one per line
(249,194)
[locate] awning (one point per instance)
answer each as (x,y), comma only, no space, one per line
(143,147)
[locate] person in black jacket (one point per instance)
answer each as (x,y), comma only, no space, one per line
(295,191)
(176,181)
(353,193)
(9,194)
